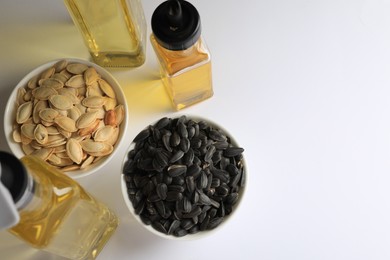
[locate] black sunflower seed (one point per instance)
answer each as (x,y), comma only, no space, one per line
(175,139)
(194,212)
(174,187)
(163,122)
(186,205)
(202,181)
(204,199)
(214,222)
(194,230)
(162,190)
(166,142)
(212,212)
(142,135)
(209,154)
(191,132)
(185,144)
(193,170)
(159,227)
(187,224)
(232,198)
(217,136)
(233,151)
(205,223)
(173,196)
(188,157)
(174,225)
(182,129)
(160,206)
(235,180)
(176,156)
(176,170)
(161,160)
(221,145)
(222,190)
(180,233)
(190,184)
(215,182)
(232,169)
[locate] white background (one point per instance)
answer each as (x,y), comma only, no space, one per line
(304,87)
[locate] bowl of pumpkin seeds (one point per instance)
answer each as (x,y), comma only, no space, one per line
(183,177)
(71,113)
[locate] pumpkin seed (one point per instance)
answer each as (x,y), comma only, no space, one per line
(48,114)
(41,134)
(74,150)
(52,83)
(91,76)
(66,123)
(76,68)
(43,93)
(106,88)
(103,134)
(24,112)
(76,81)
(27,130)
(47,73)
(61,102)
(93,101)
(60,65)
(86,120)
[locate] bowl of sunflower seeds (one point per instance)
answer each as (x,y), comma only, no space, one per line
(183,177)
(71,113)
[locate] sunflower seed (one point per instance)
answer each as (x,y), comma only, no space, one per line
(176,170)
(174,225)
(176,156)
(174,139)
(233,151)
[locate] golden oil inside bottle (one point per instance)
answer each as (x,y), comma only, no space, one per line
(186,74)
(62,218)
(113,35)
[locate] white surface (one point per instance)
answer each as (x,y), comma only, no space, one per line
(304,86)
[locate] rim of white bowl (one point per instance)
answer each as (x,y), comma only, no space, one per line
(200,234)
(10,111)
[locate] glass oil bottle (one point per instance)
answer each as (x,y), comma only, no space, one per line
(55,213)
(113,30)
(185,61)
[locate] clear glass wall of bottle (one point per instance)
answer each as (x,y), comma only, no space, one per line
(57,215)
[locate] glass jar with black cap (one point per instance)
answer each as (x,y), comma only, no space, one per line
(185,61)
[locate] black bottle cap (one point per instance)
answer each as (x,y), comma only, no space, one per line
(176,24)
(13,175)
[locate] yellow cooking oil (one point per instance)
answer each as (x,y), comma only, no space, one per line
(186,74)
(113,30)
(62,218)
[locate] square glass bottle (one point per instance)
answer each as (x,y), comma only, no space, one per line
(114,31)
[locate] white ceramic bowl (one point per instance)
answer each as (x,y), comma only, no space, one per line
(10,113)
(199,234)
